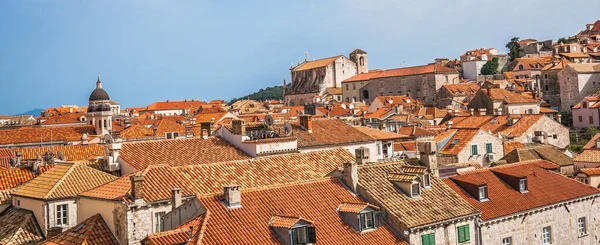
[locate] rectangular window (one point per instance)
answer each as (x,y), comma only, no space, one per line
(507,241)
(488,148)
(515,111)
(446,79)
(580,119)
(346,86)
(474,150)
(463,233)
(416,191)
(158,222)
(428,239)
(523,185)
(483,193)
(168,135)
(175,135)
(61,214)
(354,86)
(546,235)
(591,120)
(303,235)
(426,180)
(581,226)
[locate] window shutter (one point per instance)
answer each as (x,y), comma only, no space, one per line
(461,235)
(361,221)
(425,239)
(312,234)
(377,218)
(294,236)
(467,236)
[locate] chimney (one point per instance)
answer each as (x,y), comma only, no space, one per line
(428,154)
(448,125)
(471,111)
(53,231)
(306,122)
(137,187)
(232,196)
(239,128)
(558,118)
(205,129)
(482,111)
(350,175)
(175,198)
(84,139)
(362,155)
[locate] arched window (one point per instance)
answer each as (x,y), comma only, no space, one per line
(365,94)
(361,61)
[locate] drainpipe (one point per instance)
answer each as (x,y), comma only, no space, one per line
(47,218)
(478,237)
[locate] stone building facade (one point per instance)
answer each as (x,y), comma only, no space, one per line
(549,84)
(312,78)
(577,81)
(420,82)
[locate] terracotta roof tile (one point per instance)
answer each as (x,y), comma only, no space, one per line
(545,188)
(589,155)
(316,63)
(181,234)
(459,141)
(507,96)
(377,134)
(44,134)
(590,171)
(19,226)
(12,177)
(71,152)
(461,89)
(326,132)
(249,224)
(65,118)
(363,76)
(93,230)
(136,132)
(179,152)
(436,204)
(592,143)
(405,146)
(174,105)
(287,222)
(355,207)
(63,180)
(415,131)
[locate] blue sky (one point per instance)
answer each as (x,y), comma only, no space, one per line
(150,50)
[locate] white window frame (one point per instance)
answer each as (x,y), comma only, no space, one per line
(523,186)
(158,222)
(483,193)
(426,180)
(507,241)
(62,214)
(581,226)
(413,194)
(547,235)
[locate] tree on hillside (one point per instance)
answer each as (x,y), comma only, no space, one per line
(513,48)
(490,67)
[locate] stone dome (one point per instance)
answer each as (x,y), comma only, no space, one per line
(105,107)
(92,108)
(99,93)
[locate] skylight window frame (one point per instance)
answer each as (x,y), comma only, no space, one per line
(523,185)
(483,190)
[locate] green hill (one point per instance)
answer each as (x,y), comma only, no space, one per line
(268,93)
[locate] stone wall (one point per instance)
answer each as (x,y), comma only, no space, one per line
(343,69)
(351,91)
(481,139)
(140,220)
(417,86)
(527,229)
(445,234)
(551,127)
(574,86)
(71,213)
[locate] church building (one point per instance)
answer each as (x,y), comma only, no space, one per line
(311,79)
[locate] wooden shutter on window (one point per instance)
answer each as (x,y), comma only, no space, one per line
(461,234)
(377,218)
(361,221)
(312,234)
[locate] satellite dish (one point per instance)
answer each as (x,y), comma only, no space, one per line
(287,127)
(108,139)
(269,120)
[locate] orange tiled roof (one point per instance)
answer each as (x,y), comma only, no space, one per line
(62,181)
(19,226)
(545,188)
(405,146)
(209,117)
(71,152)
(509,146)
(250,224)
(377,134)
(532,63)
(93,230)
(430,112)
(169,126)
(461,89)
(575,55)
(307,65)
(355,207)
(588,155)
(65,118)
(590,171)
(44,134)
(462,138)
(507,96)
(12,177)
(210,178)
(327,132)
(363,76)
(335,111)
(136,131)
(179,152)
(181,234)
(379,113)
(287,222)
(592,143)
(174,105)
(415,131)
(414,70)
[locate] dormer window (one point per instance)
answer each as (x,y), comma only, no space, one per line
(426,181)
(415,190)
(483,193)
(360,216)
(294,230)
(584,104)
(523,186)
